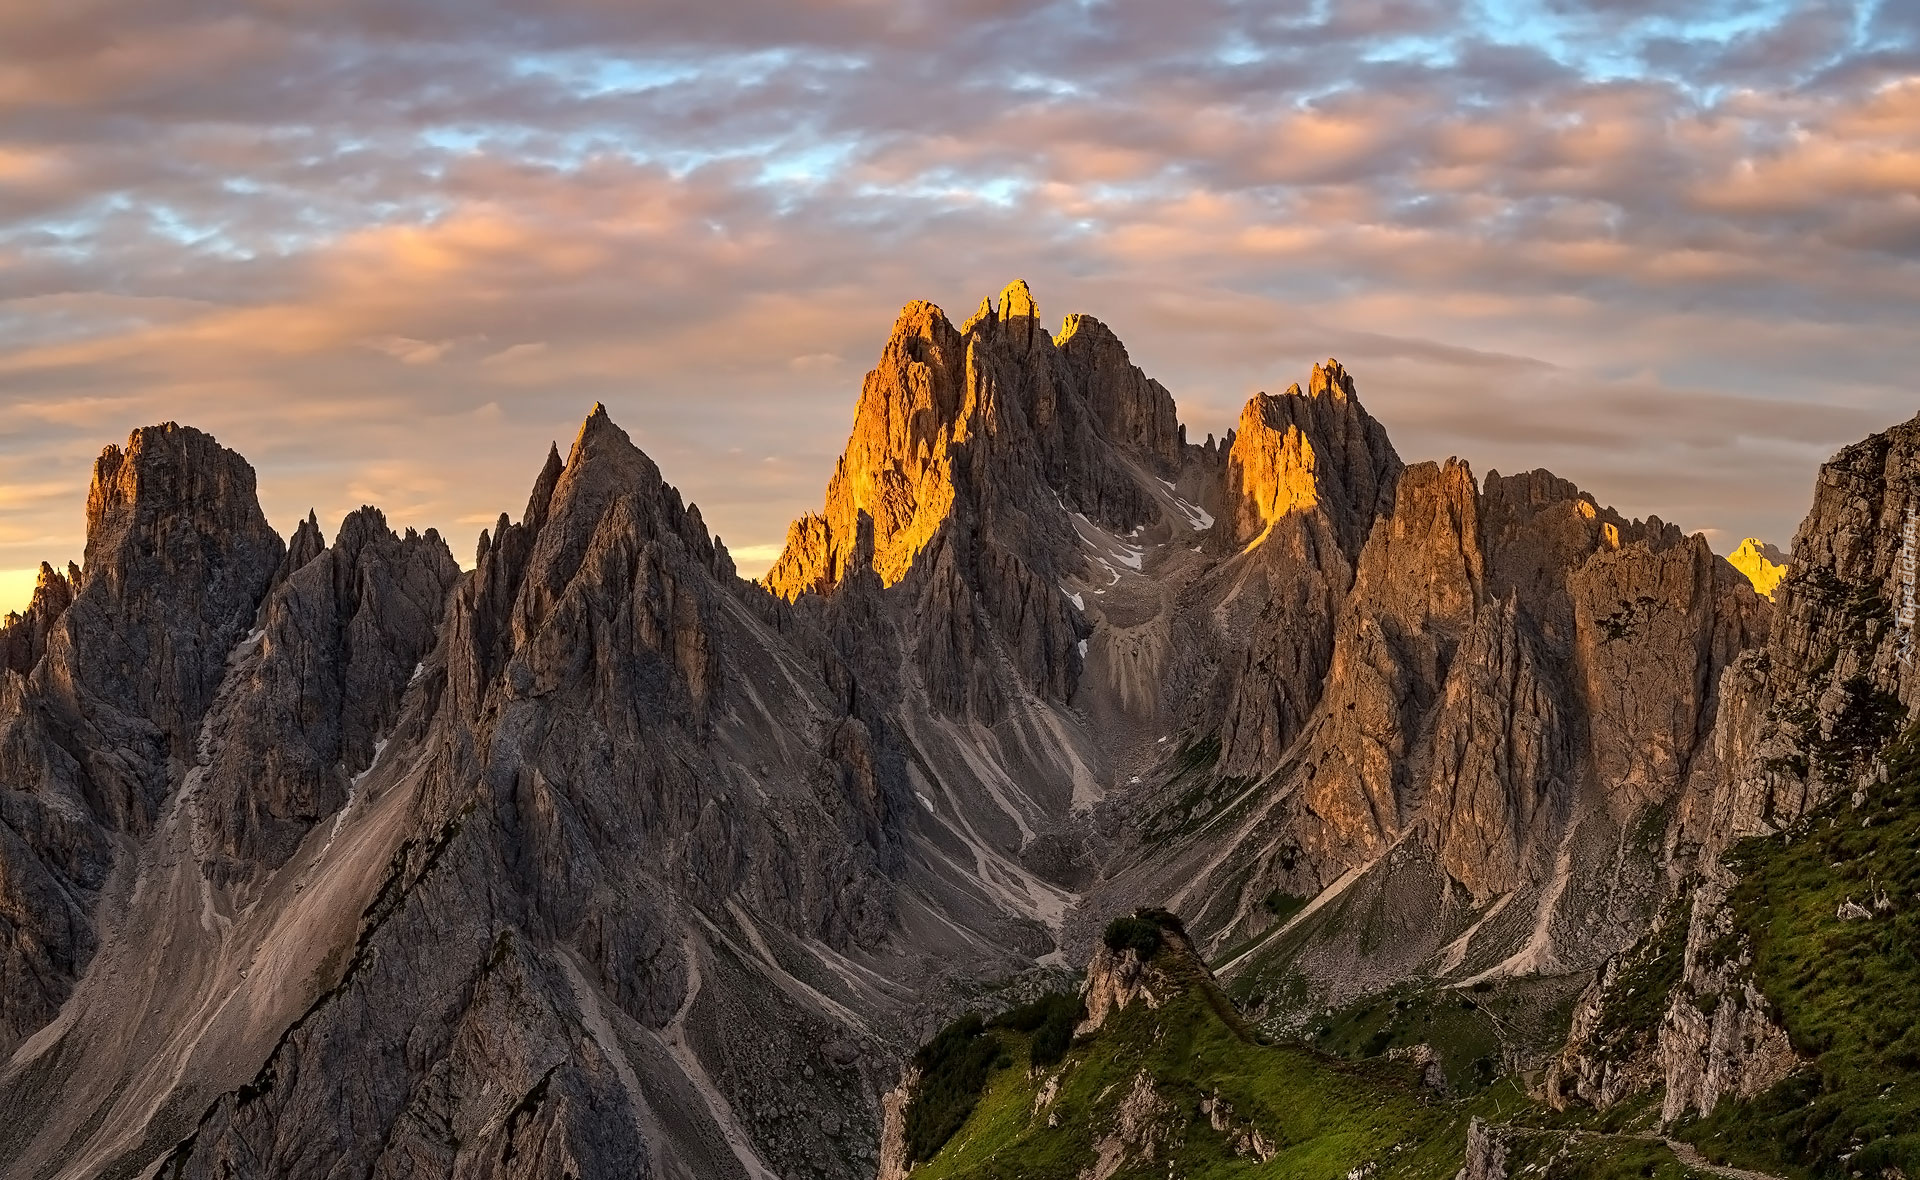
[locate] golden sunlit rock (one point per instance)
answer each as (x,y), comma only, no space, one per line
(1763,564)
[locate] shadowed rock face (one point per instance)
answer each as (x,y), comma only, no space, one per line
(1306,476)
(597,860)
(107,677)
(620,789)
(339,638)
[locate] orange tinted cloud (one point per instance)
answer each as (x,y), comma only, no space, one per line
(389,255)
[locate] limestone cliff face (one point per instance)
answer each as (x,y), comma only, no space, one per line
(107,676)
(1805,716)
(1516,722)
(1418,586)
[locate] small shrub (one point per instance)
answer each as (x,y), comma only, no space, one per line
(1051,1020)
(1132,932)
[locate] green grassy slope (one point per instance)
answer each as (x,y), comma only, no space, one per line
(1848,992)
(1190,1089)
(1187,1088)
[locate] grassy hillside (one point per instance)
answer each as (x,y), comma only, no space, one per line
(1847,991)
(1186,1088)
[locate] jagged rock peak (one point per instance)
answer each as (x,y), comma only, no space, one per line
(1025,420)
(23,639)
(1318,450)
(1762,563)
(170,471)
(1331,380)
(179,554)
(308,543)
(343,634)
(1134,410)
(1017,302)
(896,468)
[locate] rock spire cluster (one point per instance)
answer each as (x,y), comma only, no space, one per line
(597,859)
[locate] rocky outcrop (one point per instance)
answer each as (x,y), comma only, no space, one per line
(107,677)
(1486,1152)
(894,1162)
(1139,1131)
(1738,1050)
(1116,979)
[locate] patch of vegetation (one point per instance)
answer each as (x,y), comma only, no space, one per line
(1049,1021)
(953,1074)
(1576,1156)
(1647,973)
(1316,1116)
(1843,990)
(1199,755)
(1201,793)
(1457,1025)
(1283,905)
(1626,622)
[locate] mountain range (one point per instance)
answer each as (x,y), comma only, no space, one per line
(1451,822)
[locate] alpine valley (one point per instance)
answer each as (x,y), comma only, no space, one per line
(1071,799)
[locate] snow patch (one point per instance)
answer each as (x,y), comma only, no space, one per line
(1083,648)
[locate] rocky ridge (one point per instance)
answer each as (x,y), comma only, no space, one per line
(107,676)
(595,859)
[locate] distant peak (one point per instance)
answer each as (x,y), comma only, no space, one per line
(1754,546)
(982,316)
(1763,564)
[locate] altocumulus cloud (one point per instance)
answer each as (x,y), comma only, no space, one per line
(389,248)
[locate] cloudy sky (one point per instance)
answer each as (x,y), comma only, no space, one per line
(388,249)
